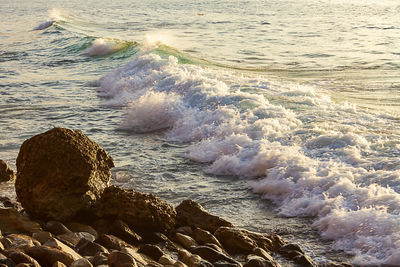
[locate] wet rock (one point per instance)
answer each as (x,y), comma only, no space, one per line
(20,257)
(89,248)
(59,264)
(217,248)
(42,236)
(6,173)
(291,250)
(47,256)
(335,264)
(56,228)
(192,260)
(11,221)
(79,227)
(61,173)
(136,255)
(166,260)
(152,251)
(225,264)
(242,241)
(179,264)
(193,214)
(7,262)
(111,242)
(257,261)
(262,253)
(212,255)
(122,230)
(21,241)
(304,260)
(204,237)
(186,230)
(185,240)
(81,263)
(100,259)
(54,243)
(142,212)
(117,259)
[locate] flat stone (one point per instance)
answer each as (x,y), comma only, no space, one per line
(204,237)
(11,221)
(47,256)
(185,240)
(152,251)
(191,213)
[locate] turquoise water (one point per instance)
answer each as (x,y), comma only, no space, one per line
(277,115)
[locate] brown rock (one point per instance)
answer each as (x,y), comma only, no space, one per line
(21,241)
(42,236)
(193,214)
(122,230)
(203,237)
(59,264)
(56,228)
(47,256)
(291,250)
(257,261)
(242,241)
(81,263)
(20,257)
(23,265)
(11,221)
(186,230)
(100,259)
(111,242)
(136,255)
(192,260)
(54,243)
(142,212)
(79,227)
(304,260)
(166,260)
(7,263)
(212,255)
(262,253)
(152,251)
(185,240)
(89,248)
(61,173)
(179,264)
(6,173)
(117,259)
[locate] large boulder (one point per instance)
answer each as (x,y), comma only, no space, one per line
(60,173)
(6,173)
(143,212)
(193,214)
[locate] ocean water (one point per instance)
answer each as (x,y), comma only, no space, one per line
(277,115)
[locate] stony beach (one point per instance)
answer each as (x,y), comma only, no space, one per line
(69,214)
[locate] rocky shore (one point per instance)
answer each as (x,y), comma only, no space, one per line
(68,214)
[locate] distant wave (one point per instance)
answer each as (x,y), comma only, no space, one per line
(44,25)
(103,47)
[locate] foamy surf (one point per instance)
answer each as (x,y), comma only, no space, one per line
(306,153)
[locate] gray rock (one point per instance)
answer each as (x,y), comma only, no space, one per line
(6,173)
(61,173)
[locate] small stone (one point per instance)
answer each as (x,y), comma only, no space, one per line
(335,264)
(203,237)
(166,260)
(56,228)
(58,264)
(89,248)
(20,257)
(11,221)
(191,213)
(54,243)
(42,236)
(46,256)
(79,227)
(152,251)
(291,250)
(82,262)
(71,239)
(111,242)
(6,173)
(185,240)
(304,260)
(122,230)
(192,260)
(257,261)
(117,259)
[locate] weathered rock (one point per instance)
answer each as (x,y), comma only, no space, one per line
(179,264)
(71,239)
(47,256)
(82,262)
(122,230)
(20,257)
(56,228)
(257,261)
(117,259)
(54,243)
(242,241)
(185,240)
(192,260)
(143,212)
(204,237)
(166,260)
(335,264)
(89,248)
(23,265)
(136,255)
(61,173)
(193,214)
(79,227)
(6,173)
(304,260)
(212,255)
(11,221)
(59,264)
(262,253)
(42,236)
(186,230)
(100,259)
(21,241)
(152,251)
(111,242)
(291,250)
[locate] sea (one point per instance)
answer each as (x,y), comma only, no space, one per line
(280,116)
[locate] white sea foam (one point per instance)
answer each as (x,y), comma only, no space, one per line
(102,47)
(300,149)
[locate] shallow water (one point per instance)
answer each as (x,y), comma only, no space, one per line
(279,116)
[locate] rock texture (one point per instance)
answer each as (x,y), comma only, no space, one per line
(142,212)
(6,173)
(11,221)
(193,214)
(60,173)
